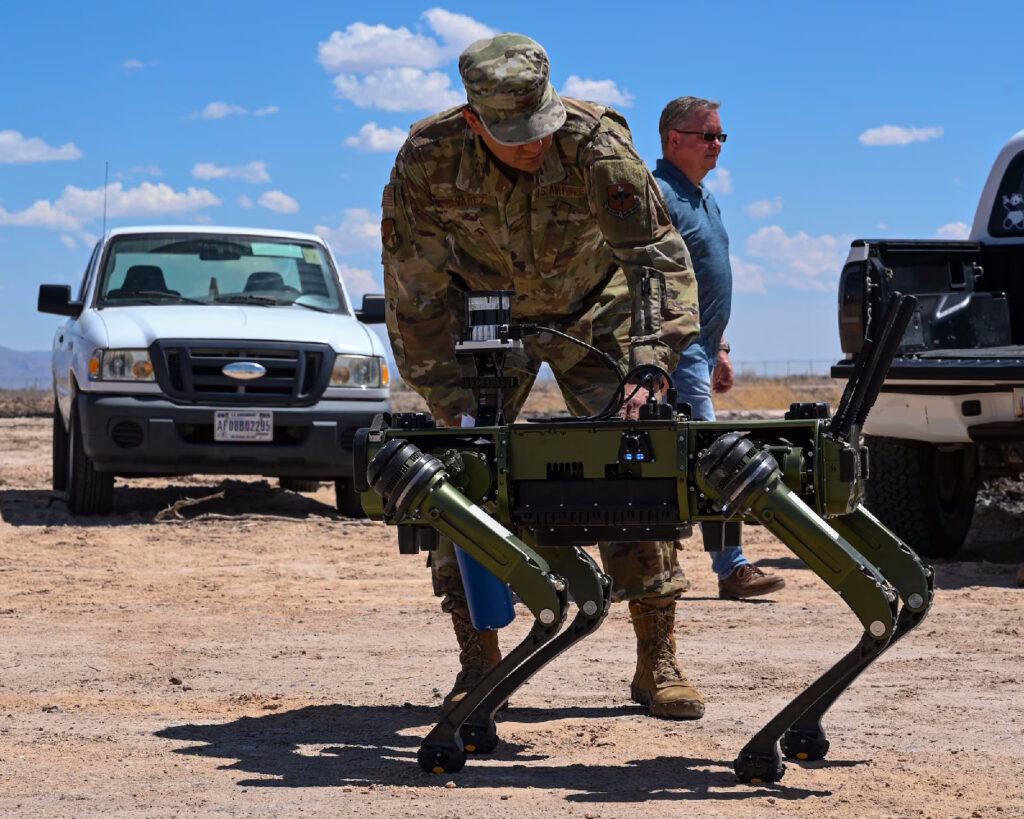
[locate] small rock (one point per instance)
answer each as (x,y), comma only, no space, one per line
(505,796)
(449,784)
(49,709)
(186,687)
(174,680)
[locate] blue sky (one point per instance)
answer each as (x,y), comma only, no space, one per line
(844,121)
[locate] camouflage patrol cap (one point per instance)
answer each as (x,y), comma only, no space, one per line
(506,79)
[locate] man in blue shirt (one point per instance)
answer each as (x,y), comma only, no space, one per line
(691,140)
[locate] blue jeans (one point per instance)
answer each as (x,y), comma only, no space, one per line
(692,380)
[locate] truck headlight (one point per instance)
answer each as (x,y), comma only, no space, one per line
(359,371)
(120,365)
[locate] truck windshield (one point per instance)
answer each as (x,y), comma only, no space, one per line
(209,268)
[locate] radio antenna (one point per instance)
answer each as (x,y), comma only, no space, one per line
(106,172)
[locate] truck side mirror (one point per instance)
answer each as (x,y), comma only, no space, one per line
(56,299)
(372,311)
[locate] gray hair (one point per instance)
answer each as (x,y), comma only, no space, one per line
(682,110)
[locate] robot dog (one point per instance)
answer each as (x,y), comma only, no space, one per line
(523,499)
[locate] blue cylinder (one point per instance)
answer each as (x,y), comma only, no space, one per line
(489,599)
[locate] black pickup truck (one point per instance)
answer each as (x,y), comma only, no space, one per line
(951,411)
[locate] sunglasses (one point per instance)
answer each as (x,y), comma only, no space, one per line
(707,136)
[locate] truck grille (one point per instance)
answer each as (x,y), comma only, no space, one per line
(193,371)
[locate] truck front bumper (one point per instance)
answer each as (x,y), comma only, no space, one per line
(139,435)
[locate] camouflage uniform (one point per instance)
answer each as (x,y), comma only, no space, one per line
(587,245)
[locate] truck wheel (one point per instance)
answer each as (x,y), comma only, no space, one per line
(60,450)
(347,499)
(299,484)
(924,494)
(90,492)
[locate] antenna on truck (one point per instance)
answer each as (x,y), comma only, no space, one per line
(106,173)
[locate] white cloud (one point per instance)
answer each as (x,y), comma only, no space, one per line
(254,172)
(68,241)
(394,69)
(245,201)
(746,276)
(359,230)
(605,91)
(953,230)
(721,182)
(457,30)
(373,138)
(279,202)
(882,226)
(898,135)
(16,149)
(357,282)
(219,110)
(88,238)
(133,65)
(263,112)
(365,48)
(802,261)
(399,89)
(763,208)
(77,206)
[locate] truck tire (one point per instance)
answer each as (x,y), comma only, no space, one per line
(347,499)
(90,492)
(60,450)
(299,484)
(924,494)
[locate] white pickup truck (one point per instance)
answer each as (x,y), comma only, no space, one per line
(951,411)
(199,350)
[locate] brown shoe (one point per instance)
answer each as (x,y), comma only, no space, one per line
(748,581)
(659,683)
(478,654)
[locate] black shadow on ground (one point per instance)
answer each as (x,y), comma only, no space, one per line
(336,745)
(140,504)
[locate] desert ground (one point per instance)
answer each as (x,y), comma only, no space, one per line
(260,655)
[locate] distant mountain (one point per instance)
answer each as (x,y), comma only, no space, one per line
(19,368)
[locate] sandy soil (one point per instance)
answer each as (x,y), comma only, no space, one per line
(266,657)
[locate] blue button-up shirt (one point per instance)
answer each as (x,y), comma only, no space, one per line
(696,216)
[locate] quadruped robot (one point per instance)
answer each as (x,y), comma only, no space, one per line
(523,499)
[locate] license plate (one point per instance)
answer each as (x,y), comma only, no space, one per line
(243,425)
(1018,401)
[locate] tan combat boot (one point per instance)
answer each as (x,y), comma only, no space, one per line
(659,683)
(478,654)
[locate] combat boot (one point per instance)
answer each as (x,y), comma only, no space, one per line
(659,683)
(478,654)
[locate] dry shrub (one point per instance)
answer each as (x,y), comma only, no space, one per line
(25,403)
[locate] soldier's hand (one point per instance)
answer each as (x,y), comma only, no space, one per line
(631,409)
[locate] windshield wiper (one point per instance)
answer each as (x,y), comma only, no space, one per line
(311,307)
(249,298)
(162,295)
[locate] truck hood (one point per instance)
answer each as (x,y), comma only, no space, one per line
(140,325)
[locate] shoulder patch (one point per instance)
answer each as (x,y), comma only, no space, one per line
(621,201)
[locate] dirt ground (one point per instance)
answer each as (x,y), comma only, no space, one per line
(266,657)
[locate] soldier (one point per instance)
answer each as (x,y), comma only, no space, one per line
(523,190)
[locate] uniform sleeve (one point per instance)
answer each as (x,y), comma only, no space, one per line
(416,288)
(634,220)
